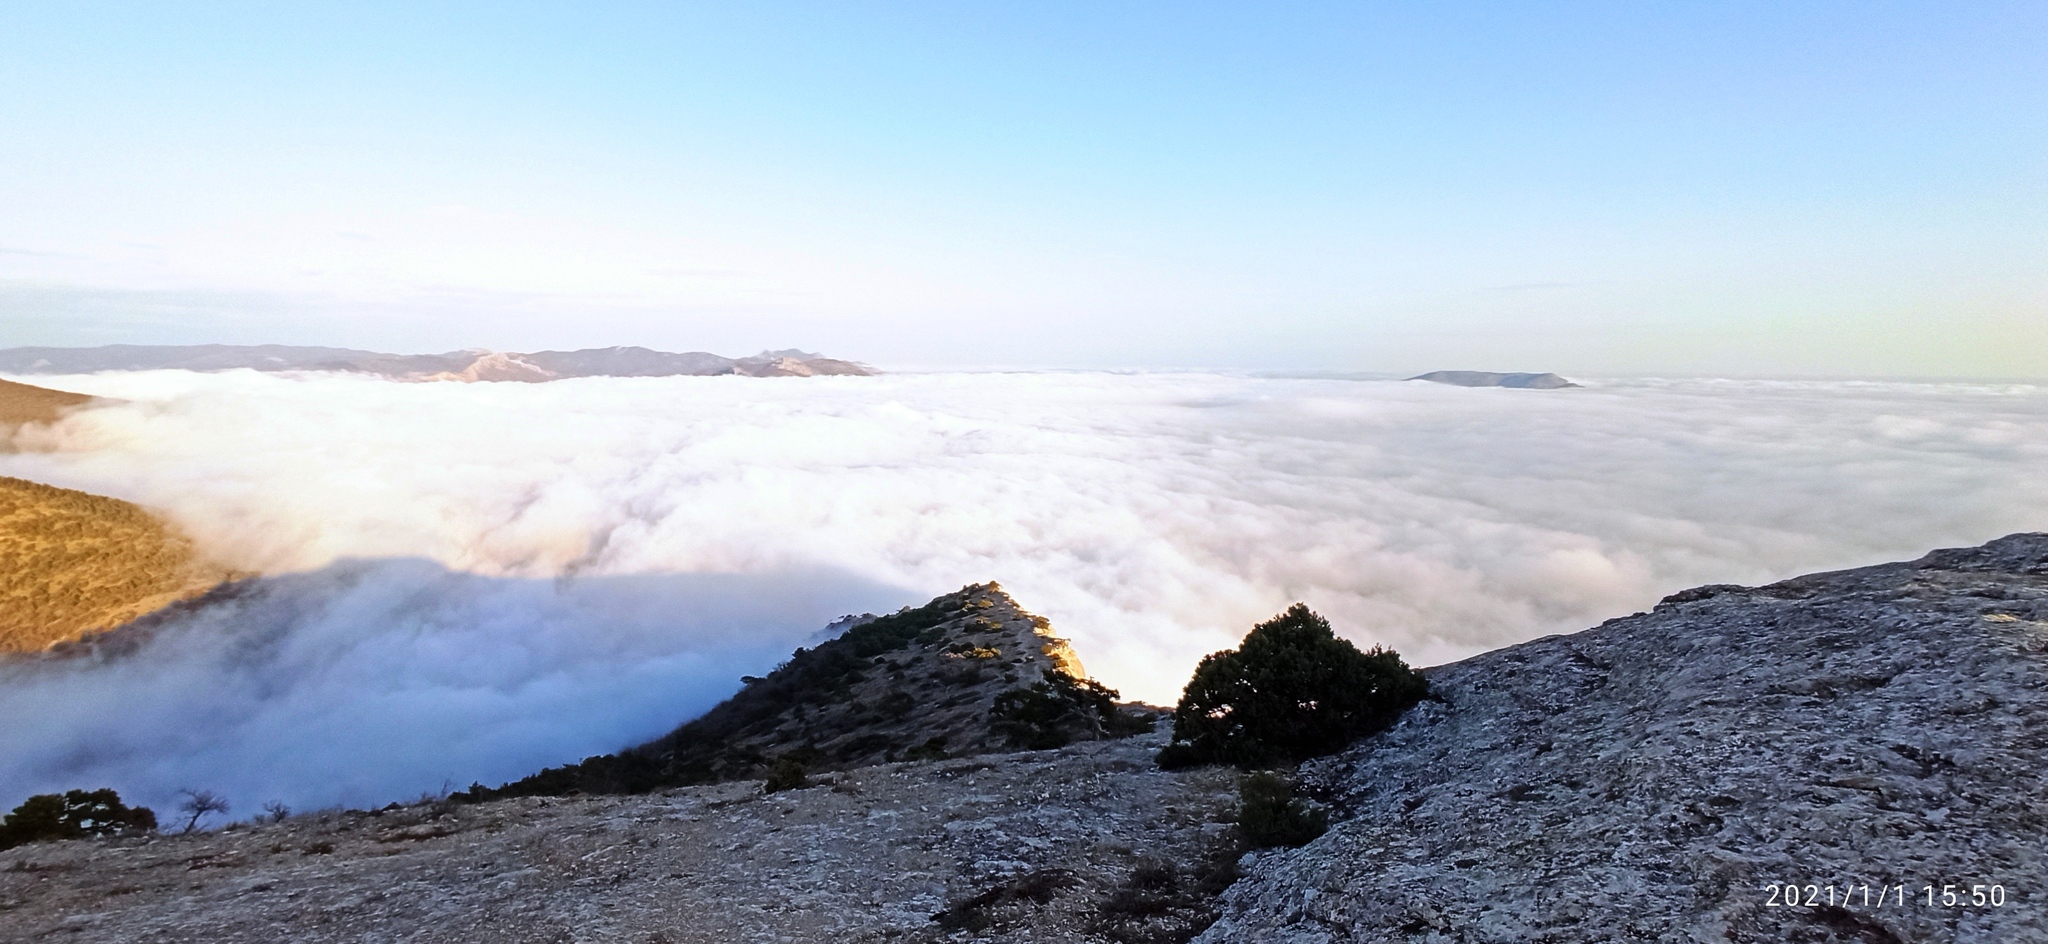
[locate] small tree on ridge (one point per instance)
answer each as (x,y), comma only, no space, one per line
(1292,690)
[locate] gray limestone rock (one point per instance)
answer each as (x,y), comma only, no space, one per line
(1869,733)
(868,856)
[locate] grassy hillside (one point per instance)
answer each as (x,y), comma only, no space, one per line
(72,562)
(22,403)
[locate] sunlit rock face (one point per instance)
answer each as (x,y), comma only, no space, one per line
(1654,777)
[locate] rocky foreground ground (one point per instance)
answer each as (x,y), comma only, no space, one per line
(1862,736)
(1869,733)
(1052,846)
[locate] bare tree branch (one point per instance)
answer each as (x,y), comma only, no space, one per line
(199,803)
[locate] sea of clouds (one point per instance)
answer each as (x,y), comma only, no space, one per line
(470,581)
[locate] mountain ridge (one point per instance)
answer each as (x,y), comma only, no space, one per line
(969,672)
(467,366)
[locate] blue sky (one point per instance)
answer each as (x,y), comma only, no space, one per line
(1836,189)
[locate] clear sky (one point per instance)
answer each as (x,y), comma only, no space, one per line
(1846,189)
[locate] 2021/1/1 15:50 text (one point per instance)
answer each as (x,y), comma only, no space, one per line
(1794,895)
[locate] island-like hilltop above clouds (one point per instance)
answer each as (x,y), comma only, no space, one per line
(472,365)
(1489,378)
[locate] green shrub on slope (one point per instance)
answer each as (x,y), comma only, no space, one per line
(1059,711)
(1292,690)
(1271,815)
(75,814)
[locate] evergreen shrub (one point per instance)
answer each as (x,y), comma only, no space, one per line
(74,814)
(1059,711)
(1271,815)
(1291,691)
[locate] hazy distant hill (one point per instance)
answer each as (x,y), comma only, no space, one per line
(1487,378)
(455,365)
(84,360)
(73,562)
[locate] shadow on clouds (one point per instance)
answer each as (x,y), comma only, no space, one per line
(372,680)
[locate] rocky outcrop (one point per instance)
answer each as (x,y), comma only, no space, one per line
(1869,733)
(921,683)
(468,366)
(1487,378)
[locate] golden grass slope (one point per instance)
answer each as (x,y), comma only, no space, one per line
(21,403)
(73,562)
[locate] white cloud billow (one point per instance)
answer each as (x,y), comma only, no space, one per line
(540,572)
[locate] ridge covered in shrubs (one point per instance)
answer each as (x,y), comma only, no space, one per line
(968,672)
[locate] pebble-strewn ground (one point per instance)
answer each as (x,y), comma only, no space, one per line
(1648,780)
(871,856)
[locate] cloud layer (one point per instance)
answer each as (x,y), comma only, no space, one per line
(368,681)
(531,573)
